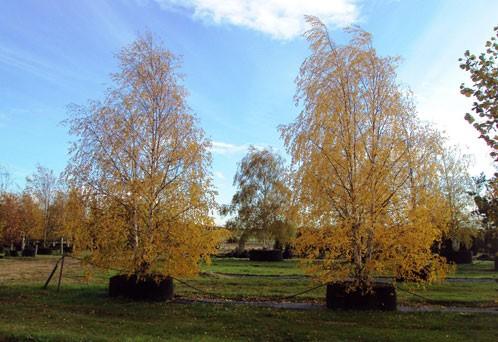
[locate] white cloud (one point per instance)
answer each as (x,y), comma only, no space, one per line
(218,147)
(223,148)
(281,19)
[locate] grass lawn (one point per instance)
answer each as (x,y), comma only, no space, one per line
(245,267)
(479,269)
(82,310)
(86,313)
(220,279)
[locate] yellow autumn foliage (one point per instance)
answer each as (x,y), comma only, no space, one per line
(365,168)
(142,166)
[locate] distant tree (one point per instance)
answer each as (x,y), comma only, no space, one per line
(31,218)
(486,200)
(261,200)
(144,166)
(483,70)
(365,169)
(56,214)
(43,186)
(5,180)
(74,219)
(455,184)
(10,219)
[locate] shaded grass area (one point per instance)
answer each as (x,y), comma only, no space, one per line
(86,313)
(479,269)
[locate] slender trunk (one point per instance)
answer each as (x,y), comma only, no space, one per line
(357,260)
(135,227)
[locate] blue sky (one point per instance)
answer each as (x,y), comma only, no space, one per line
(240,59)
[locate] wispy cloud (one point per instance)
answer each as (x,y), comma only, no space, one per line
(23,61)
(218,147)
(281,19)
(223,148)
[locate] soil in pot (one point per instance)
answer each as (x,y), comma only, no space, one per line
(150,288)
(266,255)
(381,297)
(13,253)
(46,251)
(28,252)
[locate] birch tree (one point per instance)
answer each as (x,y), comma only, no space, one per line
(5,180)
(456,186)
(145,167)
(364,167)
(42,184)
(261,200)
(31,218)
(10,219)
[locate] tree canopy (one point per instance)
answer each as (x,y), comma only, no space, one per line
(364,166)
(483,70)
(143,166)
(262,198)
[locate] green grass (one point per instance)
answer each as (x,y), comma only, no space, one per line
(269,288)
(452,294)
(246,280)
(86,313)
(254,284)
(244,266)
(83,311)
(479,269)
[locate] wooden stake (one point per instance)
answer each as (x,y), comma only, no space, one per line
(60,274)
(51,274)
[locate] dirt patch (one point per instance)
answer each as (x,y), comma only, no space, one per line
(29,270)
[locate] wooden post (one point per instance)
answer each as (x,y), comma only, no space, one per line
(62,246)
(60,274)
(36,249)
(51,274)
